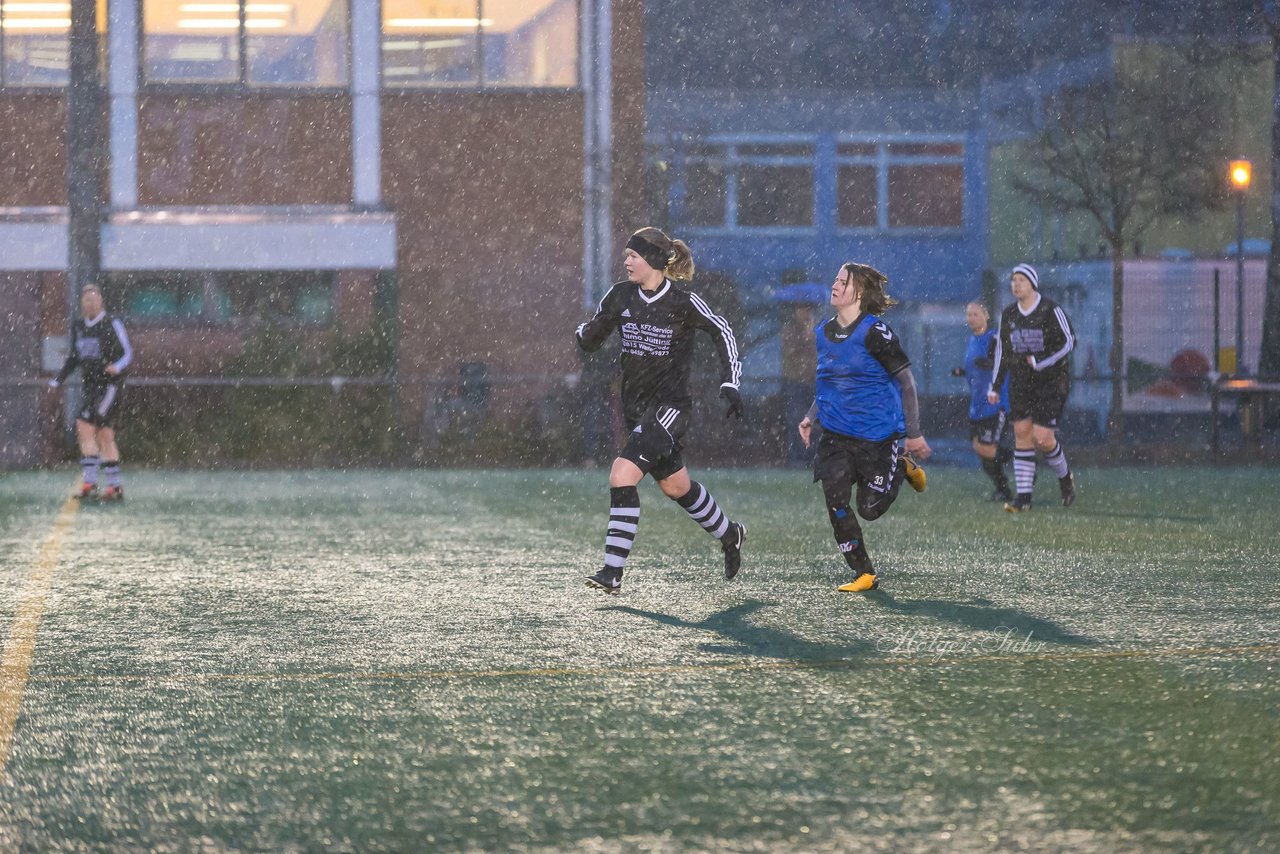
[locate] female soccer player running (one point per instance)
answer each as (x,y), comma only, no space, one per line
(865,404)
(657,322)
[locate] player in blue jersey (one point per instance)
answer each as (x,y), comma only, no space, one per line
(986,419)
(868,413)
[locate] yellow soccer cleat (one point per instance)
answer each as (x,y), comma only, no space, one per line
(864,582)
(1021,504)
(913,472)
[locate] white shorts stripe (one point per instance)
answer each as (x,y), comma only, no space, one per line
(107,400)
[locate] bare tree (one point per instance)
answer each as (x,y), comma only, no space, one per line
(1269,358)
(1145,145)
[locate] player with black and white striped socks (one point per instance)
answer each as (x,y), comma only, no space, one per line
(657,321)
(1033,349)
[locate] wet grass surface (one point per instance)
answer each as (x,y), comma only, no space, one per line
(408,660)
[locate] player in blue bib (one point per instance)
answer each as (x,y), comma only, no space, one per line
(986,419)
(868,413)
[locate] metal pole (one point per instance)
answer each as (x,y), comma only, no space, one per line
(84,154)
(597,82)
(366,106)
(1240,368)
(1214,402)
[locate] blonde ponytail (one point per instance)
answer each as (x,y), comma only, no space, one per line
(680,267)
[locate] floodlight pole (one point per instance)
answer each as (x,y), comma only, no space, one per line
(1240,173)
(1240,368)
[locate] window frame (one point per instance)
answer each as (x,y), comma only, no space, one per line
(242,86)
(720,159)
(125,283)
(733,159)
(38,88)
(883,159)
(479,84)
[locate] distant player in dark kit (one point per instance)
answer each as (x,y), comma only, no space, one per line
(100,348)
(657,321)
(1033,350)
(865,405)
(986,419)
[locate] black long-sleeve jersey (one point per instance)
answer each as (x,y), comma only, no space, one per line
(657,343)
(1044,333)
(95,344)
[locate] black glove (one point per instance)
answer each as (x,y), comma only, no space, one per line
(734,401)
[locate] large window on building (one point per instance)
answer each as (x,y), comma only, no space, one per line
(880,185)
(857,185)
(705,175)
(774,185)
(926,185)
(248,42)
(224,299)
(33,41)
(900,184)
(480,43)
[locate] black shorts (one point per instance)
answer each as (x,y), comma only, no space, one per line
(100,403)
(987,431)
(654,443)
(1041,400)
(843,462)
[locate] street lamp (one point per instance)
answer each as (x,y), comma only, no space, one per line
(1241,174)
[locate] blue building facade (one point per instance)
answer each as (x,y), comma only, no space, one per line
(771,188)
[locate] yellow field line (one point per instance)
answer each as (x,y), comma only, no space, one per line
(15,666)
(556,672)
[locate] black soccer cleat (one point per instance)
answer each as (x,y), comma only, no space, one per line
(113,493)
(732,542)
(1020,504)
(1067,485)
(87,491)
(608,579)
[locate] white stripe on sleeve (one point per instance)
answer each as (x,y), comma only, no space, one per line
(731,345)
(123,361)
(1067,347)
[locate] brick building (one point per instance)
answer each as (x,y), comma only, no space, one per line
(302,161)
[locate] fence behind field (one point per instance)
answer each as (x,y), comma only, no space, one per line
(478,417)
(333,422)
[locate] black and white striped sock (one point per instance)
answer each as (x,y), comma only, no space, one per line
(702,508)
(89,470)
(111,470)
(1024,469)
(624,519)
(1057,460)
